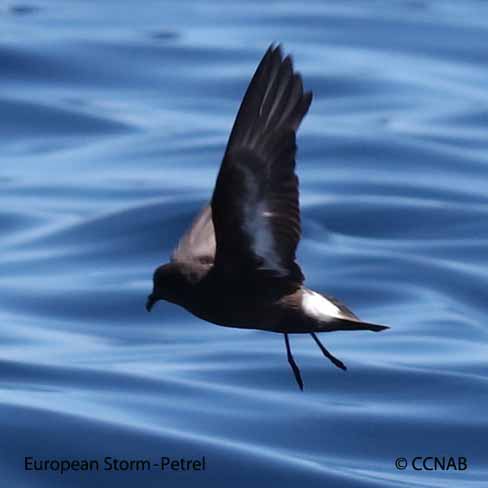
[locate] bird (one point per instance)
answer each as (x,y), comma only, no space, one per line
(236,264)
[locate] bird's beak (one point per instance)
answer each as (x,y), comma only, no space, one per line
(150,302)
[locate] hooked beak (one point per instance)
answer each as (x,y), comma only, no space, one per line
(150,302)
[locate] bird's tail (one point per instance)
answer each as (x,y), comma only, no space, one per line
(345,324)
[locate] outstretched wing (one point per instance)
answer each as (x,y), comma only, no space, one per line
(198,242)
(255,208)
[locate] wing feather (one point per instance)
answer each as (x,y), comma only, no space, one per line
(198,242)
(255,207)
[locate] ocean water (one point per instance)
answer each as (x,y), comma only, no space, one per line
(114,117)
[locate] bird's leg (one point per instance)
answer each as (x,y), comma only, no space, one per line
(327,354)
(293,365)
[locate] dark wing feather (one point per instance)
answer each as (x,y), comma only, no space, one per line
(198,242)
(255,208)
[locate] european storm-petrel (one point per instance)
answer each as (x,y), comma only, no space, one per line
(235,266)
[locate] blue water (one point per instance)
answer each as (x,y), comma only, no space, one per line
(114,116)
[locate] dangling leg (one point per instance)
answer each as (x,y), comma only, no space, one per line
(327,354)
(293,365)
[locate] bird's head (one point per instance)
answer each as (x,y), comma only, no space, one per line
(169,284)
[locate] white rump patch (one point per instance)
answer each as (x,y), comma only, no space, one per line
(317,306)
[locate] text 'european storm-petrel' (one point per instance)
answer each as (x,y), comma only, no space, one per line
(235,266)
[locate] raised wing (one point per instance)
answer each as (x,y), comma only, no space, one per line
(198,242)
(255,208)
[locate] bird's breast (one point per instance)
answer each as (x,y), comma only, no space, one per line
(236,310)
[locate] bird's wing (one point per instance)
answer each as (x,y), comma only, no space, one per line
(255,207)
(198,242)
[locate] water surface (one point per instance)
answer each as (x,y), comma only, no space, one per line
(114,117)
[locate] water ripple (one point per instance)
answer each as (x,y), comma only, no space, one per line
(113,129)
